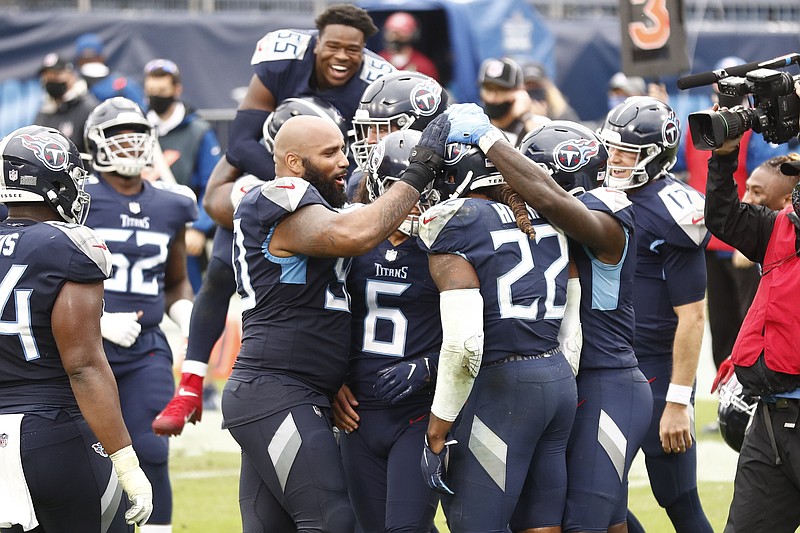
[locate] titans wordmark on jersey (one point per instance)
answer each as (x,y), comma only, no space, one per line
(139,231)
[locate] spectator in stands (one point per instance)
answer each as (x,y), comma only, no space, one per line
(400,35)
(621,86)
(190,148)
(67,101)
(546,98)
(103,83)
(504,98)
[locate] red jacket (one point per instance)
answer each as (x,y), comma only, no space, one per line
(773,321)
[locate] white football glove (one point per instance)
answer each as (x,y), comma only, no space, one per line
(135,483)
(120,328)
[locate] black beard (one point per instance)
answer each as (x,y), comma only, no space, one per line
(327,187)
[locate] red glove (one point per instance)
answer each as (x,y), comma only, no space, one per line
(724,374)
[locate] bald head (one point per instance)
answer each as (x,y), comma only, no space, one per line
(302,137)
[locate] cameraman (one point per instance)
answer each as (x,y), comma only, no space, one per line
(766,361)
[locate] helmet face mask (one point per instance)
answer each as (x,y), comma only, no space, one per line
(41,165)
(570,152)
(387,163)
(735,412)
(645,126)
(119,138)
(398,101)
(301,105)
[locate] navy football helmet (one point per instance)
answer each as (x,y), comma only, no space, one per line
(734,412)
(570,152)
(466,169)
(42,165)
(648,127)
(119,137)
(301,105)
(387,162)
(398,101)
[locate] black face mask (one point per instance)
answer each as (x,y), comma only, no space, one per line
(396,46)
(56,89)
(497,110)
(160,104)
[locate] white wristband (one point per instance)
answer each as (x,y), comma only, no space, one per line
(488,139)
(681,394)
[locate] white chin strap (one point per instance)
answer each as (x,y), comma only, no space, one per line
(410,226)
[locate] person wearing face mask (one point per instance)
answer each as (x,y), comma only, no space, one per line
(504,99)
(67,101)
(400,34)
(546,98)
(190,148)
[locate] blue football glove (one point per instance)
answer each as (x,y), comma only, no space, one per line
(399,381)
(426,160)
(434,466)
(468,123)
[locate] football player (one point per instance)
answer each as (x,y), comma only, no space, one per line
(642,136)
(614,398)
(58,397)
(292,248)
(211,309)
(394,348)
(143,224)
(330,63)
(502,273)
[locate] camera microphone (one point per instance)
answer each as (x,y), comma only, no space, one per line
(707,78)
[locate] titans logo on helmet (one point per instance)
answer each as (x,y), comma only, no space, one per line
(426,97)
(453,153)
(572,155)
(47,149)
(670,131)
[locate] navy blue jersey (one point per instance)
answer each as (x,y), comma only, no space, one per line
(607,318)
(670,268)
(523,281)
(36,259)
(139,231)
(395,313)
(284,62)
(296,310)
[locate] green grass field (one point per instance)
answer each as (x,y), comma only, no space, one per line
(205,489)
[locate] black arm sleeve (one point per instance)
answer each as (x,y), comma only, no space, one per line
(746,227)
(245,152)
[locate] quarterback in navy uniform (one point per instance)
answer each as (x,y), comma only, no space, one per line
(330,63)
(143,224)
(502,271)
(291,250)
(642,136)
(53,373)
(394,348)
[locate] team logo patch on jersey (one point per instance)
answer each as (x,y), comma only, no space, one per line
(572,155)
(99,450)
(135,207)
(426,97)
(3,440)
(671,132)
(391,255)
(48,150)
